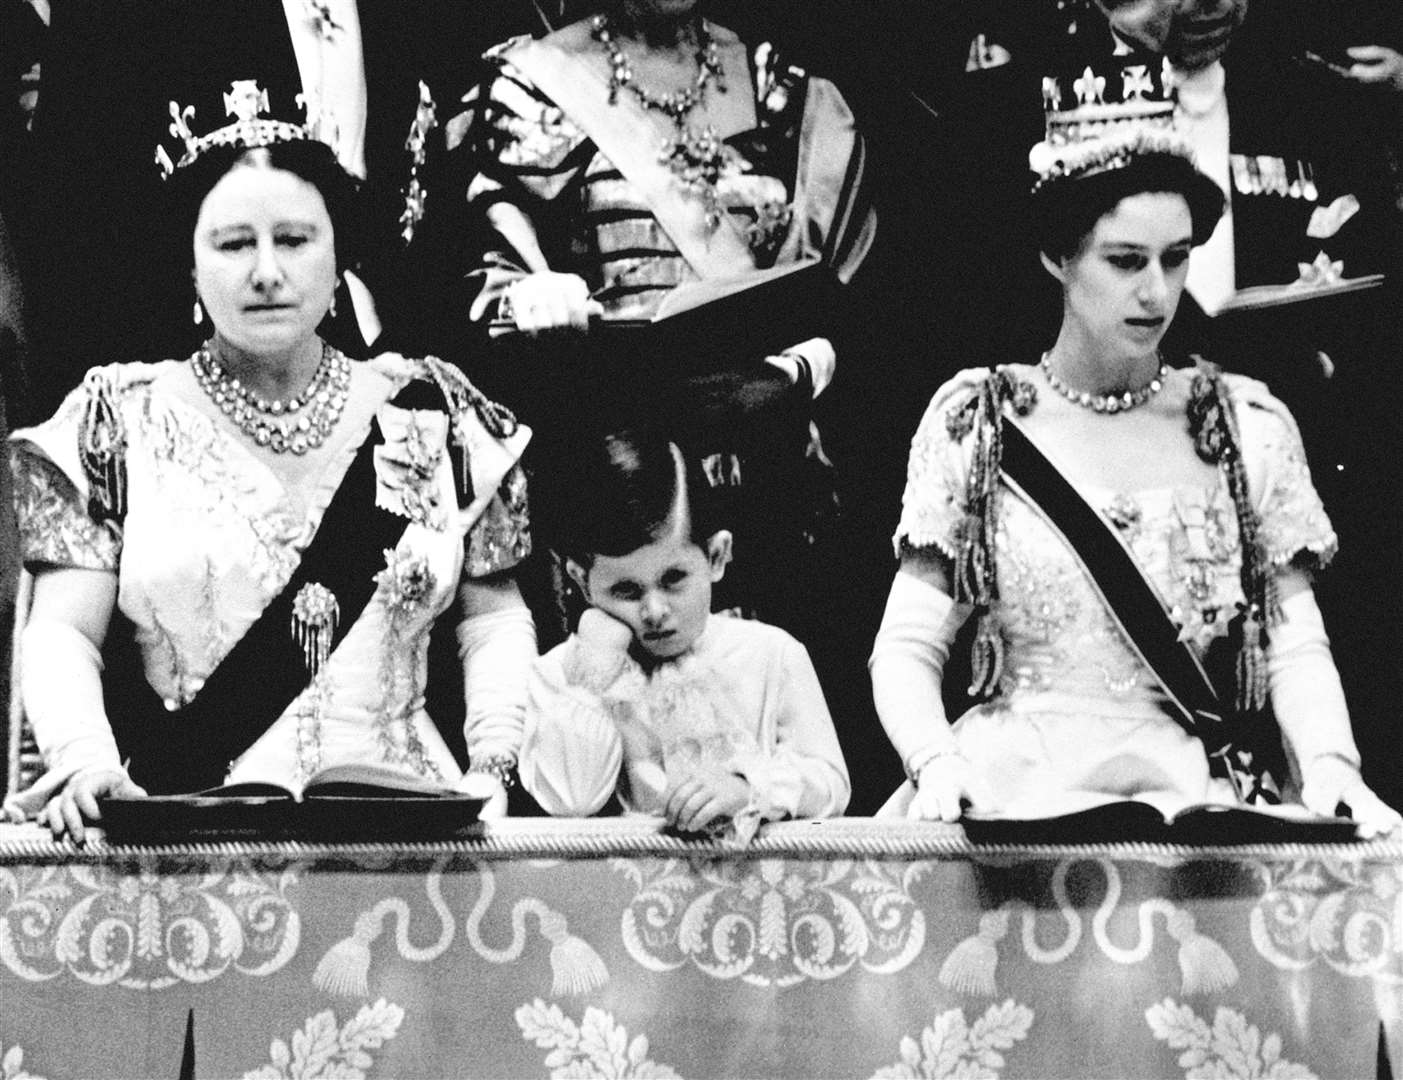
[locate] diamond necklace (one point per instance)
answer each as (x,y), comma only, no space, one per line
(697,158)
(676,104)
(1105,403)
(307,419)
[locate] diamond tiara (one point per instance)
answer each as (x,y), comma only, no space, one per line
(246,101)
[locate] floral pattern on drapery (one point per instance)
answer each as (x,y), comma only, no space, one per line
(595,1047)
(1230,1048)
(952,1047)
(324,1049)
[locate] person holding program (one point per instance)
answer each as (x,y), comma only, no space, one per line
(1118,531)
(271,529)
(713,722)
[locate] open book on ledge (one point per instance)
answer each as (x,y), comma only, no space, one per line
(1135,821)
(352,801)
(1256,297)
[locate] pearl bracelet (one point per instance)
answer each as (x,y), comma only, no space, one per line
(501,766)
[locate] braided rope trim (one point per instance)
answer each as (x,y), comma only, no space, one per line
(605,838)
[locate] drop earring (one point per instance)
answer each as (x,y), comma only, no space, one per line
(331,310)
(198,312)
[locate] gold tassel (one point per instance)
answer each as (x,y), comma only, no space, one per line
(346,965)
(986,656)
(575,967)
(970,967)
(102,448)
(1251,666)
(1204,964)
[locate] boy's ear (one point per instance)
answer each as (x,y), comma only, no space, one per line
(718,553)
(579,575)
(1052,266)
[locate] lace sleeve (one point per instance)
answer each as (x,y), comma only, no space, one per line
(54,526)
(1295,527)
(934,501)
(501,536)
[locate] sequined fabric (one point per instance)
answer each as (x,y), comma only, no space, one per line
(56,531)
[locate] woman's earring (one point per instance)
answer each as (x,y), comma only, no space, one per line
(198,312)
(332,309)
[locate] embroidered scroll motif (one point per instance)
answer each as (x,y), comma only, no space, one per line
(774,922)
(1340,913)
(143,930)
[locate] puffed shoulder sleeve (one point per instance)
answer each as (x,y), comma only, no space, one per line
(1294,525)
(934,502)
(69,475)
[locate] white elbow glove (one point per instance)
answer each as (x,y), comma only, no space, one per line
(1310,704)
(908,667)
(60,683)
(497,649)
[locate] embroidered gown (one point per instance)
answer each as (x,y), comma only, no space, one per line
(1077,716)
(210,537)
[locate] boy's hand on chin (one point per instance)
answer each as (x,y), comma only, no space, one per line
(604,632)
(704,798)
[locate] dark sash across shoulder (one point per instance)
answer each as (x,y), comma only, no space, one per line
(190,748)
(1130,598)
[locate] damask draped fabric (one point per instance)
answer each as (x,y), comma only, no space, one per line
(603,949)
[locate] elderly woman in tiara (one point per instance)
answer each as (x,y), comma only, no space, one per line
(264,534)
(644,148)
(1132,544)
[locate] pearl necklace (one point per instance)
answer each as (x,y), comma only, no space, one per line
(317,408)
(676,104)
(1105,403)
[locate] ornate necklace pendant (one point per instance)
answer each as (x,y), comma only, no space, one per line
(699,159)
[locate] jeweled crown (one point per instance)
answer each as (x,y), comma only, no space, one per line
(1105,126)
(246,101)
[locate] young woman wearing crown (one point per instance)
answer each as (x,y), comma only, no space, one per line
(274,528)
(1132,544)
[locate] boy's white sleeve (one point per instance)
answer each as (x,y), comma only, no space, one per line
(571,752)
(804,775)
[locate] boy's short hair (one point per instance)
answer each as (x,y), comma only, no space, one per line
(621,493)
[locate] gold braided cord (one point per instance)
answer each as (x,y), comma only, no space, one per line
(1217,440)
(541,838)
(102,447)
(975,573)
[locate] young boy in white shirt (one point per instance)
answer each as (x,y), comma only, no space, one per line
(711,722)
